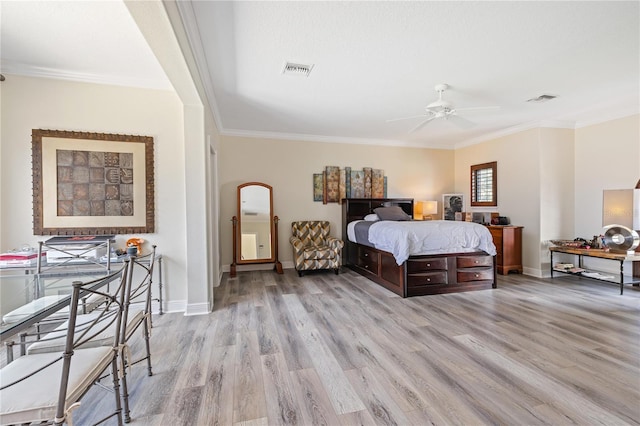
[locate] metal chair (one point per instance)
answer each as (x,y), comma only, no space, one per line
(139,296)
(47,387)
(136,315)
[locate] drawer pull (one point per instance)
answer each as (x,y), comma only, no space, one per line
(476,261)
(428,280)
(366,255)
(477,275)
(428,264)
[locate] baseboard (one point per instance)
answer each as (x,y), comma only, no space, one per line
(176,306)
(197,309)
(535,272)
(172,306)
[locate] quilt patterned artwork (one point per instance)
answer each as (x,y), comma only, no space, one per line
(334,184)
(92,183)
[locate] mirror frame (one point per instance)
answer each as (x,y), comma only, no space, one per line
(273,236)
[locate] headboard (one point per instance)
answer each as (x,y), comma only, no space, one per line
(358,208)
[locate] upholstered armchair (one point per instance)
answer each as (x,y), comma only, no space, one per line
(313,247)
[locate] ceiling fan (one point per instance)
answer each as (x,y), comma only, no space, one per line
(442,109)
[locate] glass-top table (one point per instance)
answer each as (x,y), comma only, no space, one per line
(26,299)
(20,285)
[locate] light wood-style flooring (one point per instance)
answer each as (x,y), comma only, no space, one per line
(340,350)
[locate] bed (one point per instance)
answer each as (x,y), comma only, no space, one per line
(415,258)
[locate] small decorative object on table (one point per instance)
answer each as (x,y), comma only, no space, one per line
(134,243)
(569,243)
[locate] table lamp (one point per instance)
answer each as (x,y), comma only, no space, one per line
(429,208)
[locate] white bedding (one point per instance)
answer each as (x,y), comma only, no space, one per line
(408,238)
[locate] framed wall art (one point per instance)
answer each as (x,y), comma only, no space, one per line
(92,183)
(452,204)
(318,186)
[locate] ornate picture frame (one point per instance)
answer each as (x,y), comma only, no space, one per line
(92,183)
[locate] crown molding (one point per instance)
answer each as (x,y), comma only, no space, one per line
(58,74)
(189,25)
(330,139)
(550,124)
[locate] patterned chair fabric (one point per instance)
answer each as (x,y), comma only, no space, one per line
(313,247)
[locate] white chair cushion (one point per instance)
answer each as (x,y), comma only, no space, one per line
(32,307)
(35,399)
(56,340)
(92,302)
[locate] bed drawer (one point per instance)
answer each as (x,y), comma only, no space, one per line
(427,278)
(474,261)
(367,259)
(475,274)
(421,265)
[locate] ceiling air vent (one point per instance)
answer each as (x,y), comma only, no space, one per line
(542,98)
(297,69)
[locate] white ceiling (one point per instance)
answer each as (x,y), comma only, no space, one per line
(372,62)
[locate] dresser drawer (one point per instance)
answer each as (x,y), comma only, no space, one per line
(473,261)
(427,278)
(474,274)
(367,259)
(420,265)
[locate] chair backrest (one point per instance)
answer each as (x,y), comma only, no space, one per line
(110,314)
(139,286)
(311,231)
(106,316)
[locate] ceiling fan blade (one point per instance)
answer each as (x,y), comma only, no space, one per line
(422,124)
(463,123)
(405,118)
(482,108)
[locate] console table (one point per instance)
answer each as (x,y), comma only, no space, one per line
(77,266)
(621,277)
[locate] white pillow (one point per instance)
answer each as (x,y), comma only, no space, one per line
(371,217)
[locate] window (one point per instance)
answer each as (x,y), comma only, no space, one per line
(484,178)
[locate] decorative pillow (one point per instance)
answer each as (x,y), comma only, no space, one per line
(371,217)
(391,213)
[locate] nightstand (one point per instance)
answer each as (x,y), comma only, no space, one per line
(508,242)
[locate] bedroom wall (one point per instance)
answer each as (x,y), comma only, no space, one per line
(518,161)
(32,103)
(557,186)
(288,166)
(550,180)
(607,157)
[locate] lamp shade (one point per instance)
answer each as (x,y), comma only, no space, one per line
(429,207)
(417,210)
(423,210)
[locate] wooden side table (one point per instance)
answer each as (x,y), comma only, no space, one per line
(508,242)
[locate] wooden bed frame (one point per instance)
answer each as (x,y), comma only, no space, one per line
(419,275)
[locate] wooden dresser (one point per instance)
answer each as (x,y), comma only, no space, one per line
(508,242)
